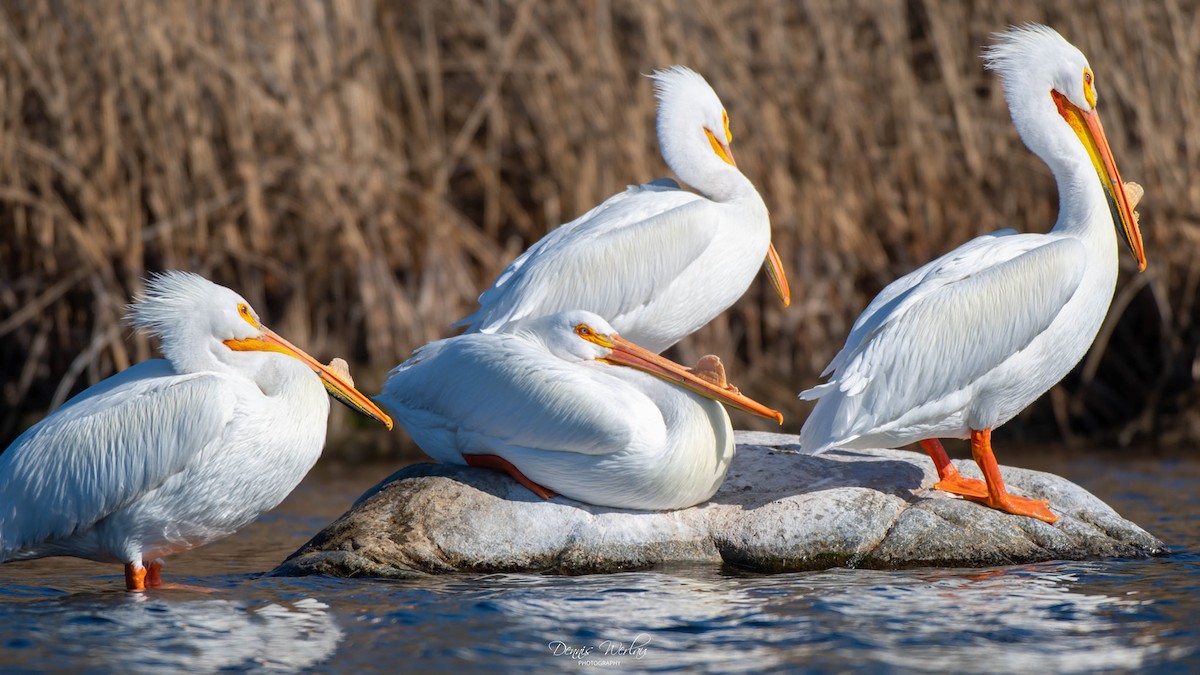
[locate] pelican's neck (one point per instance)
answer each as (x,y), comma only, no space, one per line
(191,348)
(294,391)
(688,153)
(1083,210)
(699,445)
(273,373)
(279,374)
(698,435)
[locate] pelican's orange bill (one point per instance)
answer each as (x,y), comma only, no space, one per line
(774,267)
(334,383)
(626,353)
(1086,126)
(722,147)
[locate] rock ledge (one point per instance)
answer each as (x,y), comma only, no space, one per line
(779,510)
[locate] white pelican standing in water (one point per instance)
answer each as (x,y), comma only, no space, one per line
(658,262)
(550,401)
(963,344)
(171,454)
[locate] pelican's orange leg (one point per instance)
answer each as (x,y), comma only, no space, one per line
(135,577)
(154,574)
(998,497)
(950,480)
(141,576)
(501,464)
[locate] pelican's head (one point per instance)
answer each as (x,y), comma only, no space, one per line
(581,336)
(205,326)
(1047,79)
(692,122)
(694,135)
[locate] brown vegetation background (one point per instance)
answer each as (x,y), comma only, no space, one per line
(361,170)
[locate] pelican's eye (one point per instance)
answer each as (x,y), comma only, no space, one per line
(246,314)
(592,335)
(1089,89)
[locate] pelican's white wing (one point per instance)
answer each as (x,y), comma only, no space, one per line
(105,448)
(643,238)
(981,252)
(483,393)
(942,328)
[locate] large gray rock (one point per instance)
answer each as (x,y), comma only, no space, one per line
(778,510)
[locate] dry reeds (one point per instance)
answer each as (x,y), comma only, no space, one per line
(360,171)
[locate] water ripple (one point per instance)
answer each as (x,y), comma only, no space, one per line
(1120,615)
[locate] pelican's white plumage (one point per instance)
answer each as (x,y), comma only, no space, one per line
(963,344)
(170,454)
(544,395)
(656,261)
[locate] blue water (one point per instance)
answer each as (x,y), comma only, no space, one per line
(1119,615)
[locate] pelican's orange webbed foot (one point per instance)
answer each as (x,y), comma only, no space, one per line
(1020,506)
(501,464)
(957,484)
(998,497)
(950,480)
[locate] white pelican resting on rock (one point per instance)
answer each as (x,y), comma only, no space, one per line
(550,401)
(963,344)
(658,262)
(171,454)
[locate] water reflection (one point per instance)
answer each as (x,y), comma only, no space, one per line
(1011,619)
(143,633)
(688,619)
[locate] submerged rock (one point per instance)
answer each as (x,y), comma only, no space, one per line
(779,510)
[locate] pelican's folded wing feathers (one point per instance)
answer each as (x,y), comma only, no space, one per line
(121,440)
(954,323)
(954,266)
(521,400)
(644,236)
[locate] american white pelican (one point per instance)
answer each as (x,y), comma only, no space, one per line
(171,454)
(658,262)
(963,344)
(545,399)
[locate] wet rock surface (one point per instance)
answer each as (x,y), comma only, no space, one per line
(778,510)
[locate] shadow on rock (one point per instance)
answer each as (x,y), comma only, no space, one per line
(764,475)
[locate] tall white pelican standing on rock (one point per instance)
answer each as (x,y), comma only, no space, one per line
(171,454)
(963,344)
(656,261)
(564,405)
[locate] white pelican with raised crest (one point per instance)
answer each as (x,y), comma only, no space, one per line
(172,454)
(961,345)
(656,261)
(565,405)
